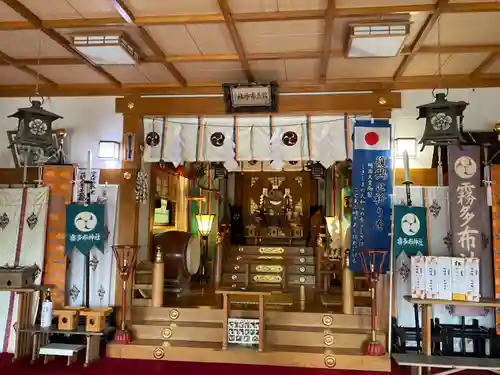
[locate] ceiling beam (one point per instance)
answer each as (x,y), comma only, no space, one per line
(451,49)
(15,63)
(128,17)
(426,28)
(335,85)
(487,62)
(235,36)
(58,38)
(327,40)
(255,17)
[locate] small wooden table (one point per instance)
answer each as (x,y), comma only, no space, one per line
(226,307)
(41,338)
(25,317)
(454,364)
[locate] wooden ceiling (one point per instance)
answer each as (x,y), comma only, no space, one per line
(192,46)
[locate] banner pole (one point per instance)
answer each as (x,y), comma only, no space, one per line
(391,254)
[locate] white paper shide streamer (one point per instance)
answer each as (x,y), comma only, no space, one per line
(327,139)
(253,138)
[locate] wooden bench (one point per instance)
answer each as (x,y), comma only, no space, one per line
(52,350)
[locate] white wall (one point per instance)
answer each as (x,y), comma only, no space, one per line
(88,120)
(481,114)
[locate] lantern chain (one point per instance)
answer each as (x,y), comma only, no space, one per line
(37,87)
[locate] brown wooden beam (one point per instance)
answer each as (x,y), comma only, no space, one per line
(487,62)
(447,49)
(235,36)
(334,85)
(255,17)
(327,40)
(58,38)
(426,28)
(353,103)
(128,17)
(19,65)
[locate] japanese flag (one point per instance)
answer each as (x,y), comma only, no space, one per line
(372,138)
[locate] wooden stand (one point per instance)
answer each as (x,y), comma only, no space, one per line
(226,310)
(41,339)
(25,317)
(426,361)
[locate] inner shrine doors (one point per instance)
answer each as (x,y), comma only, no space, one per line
(276,204)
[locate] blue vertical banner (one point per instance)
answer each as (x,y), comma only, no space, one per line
(371,191)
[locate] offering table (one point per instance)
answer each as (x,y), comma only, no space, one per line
(226,308)
(452,364)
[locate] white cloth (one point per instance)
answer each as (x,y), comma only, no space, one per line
(218,140)
(172,144)
(253,135)
(152,154)
(291,138)
(327,139)
(23,244)
(103,268)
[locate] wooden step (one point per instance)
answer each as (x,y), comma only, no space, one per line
(275,334)
(278,355)
(283,318)
(289,260)
(271,268)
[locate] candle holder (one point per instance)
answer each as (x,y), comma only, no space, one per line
(369,259)
(125,256)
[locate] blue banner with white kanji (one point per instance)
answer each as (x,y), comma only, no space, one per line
(85,227)
(410,231)
(371,192)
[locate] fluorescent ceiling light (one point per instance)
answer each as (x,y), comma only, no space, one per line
(115,49)
(376,40)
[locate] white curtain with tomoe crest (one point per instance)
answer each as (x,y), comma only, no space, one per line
(217,141)
(154,132)
(23,228)
(289,140)
(402,268)
(327,141)
(102,264)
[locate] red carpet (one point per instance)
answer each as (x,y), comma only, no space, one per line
(108,366)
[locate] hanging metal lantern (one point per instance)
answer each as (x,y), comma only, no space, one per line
(444,121)
(220,171)
(317,170)
(34,128)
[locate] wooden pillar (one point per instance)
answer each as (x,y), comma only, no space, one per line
(158,279)
(128,209)
(219,254)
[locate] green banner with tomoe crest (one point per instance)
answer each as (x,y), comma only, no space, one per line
(84,227)
(410,230)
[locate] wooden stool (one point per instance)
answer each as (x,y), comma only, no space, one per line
(62,350)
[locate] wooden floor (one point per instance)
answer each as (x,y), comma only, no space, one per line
(301,335)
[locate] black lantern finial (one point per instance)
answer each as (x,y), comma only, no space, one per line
(444,121)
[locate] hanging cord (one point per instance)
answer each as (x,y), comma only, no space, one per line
(37,85)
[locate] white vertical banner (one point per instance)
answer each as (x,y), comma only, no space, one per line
(153,138)
(252,138)
(80,187)
(327,139)
(23,228)
(102,264)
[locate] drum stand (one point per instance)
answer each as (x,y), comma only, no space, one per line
(125,256)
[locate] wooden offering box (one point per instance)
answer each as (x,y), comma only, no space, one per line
(67,318)
(18,277)
(95,318)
